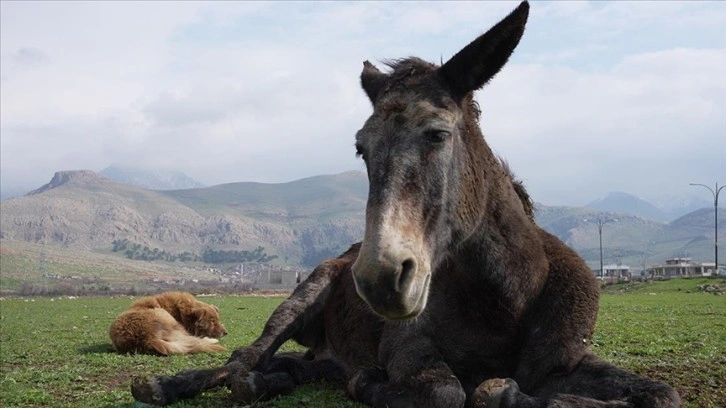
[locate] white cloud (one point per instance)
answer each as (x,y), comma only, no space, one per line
(599,96)
(653,122)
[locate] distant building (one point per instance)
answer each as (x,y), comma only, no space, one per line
(616,271)
(681,267)
(279,279)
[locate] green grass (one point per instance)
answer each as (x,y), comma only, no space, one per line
(56,352)
(669,331)
(20,263)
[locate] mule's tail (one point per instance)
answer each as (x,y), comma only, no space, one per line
(300,316)
(183,343)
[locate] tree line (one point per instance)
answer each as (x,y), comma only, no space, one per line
(136,251)
(257,255)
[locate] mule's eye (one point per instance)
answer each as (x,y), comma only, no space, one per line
(437,136)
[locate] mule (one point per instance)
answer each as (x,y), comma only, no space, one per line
(455,297)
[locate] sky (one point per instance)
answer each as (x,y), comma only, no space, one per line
(598,97)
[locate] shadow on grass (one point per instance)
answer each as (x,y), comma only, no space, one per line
(100,348)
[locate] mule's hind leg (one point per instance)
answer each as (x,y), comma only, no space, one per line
(594,383)
(598,379)
(282,375)
(502,393)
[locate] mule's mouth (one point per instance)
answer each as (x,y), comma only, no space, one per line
(392,302)
(418,305)
(392,272)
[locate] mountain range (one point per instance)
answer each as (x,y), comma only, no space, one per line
(666,209)
(305,221)
(151,179)
(301,222)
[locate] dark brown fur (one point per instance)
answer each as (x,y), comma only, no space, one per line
(169,323)
(455,297)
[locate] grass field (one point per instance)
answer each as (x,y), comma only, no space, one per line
(56,352)
(20,263)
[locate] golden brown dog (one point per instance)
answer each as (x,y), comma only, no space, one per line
(169,323)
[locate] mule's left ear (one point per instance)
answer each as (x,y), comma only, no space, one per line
(372,80)
(479,61)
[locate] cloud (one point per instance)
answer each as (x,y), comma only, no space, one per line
(29,57)
(651,123)
(598,97)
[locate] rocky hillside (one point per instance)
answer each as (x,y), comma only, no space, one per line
(633,240)
(300,222)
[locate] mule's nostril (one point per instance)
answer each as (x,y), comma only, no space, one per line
(408,270)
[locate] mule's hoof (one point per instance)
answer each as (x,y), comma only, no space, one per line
(248,357)
(148,391)
(492,392)
(365,378)
(243,387)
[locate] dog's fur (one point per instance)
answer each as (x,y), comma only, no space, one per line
(169,323)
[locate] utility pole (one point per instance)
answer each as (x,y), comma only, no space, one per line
(715,220)
(600,222)
(42,270)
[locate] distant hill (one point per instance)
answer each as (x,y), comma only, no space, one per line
(633,240)
(153,180)
(676,206)
(619,202)
(12,192)
(301,222)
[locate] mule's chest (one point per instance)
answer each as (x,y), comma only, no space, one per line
(477,333)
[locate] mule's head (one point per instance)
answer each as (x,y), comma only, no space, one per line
(427,164)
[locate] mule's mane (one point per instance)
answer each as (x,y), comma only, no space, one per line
(520,189)
(402,68)
(405,69)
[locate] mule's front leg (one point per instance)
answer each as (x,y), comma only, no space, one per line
(163,390)
(299,316)
(415,374)
(282,375)
(433,387)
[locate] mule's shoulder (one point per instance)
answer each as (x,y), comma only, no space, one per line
(565,262)
(571,282)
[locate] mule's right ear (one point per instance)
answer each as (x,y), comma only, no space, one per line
(372,80)
(479,61)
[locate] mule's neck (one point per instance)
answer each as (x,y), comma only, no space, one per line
(504,245)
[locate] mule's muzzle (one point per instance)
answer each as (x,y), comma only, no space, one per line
(394,288)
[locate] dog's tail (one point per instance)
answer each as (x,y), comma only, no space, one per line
(183,343)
